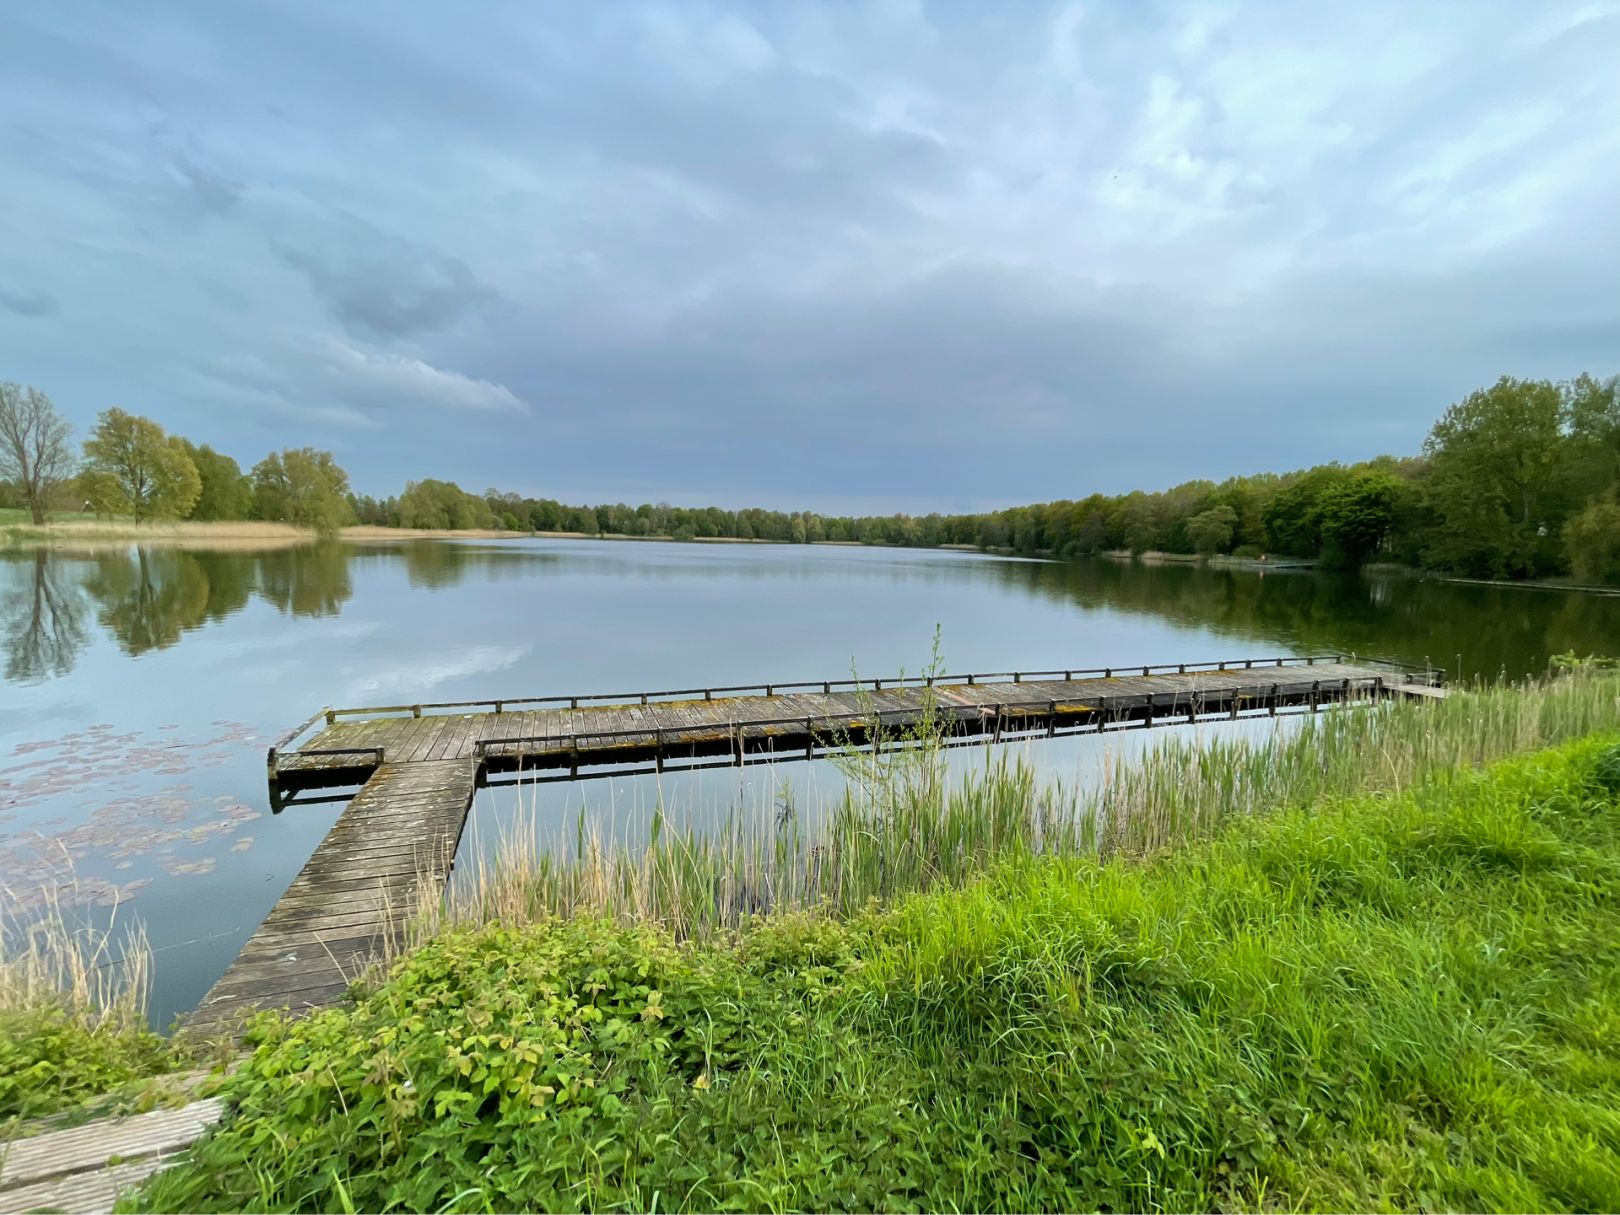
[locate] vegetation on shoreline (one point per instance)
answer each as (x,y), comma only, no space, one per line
(1518,480)
(73,1015)
(1387,1001)
(1367,974)
(903,825)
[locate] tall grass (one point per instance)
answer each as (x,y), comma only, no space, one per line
(905,823)
(56,958)
(73,999)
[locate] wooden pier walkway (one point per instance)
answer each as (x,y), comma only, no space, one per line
(420,764)
(391,847)
(788,719)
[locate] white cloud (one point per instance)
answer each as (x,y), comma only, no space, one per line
(383,376)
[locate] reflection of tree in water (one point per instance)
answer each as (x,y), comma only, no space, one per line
(148,600)
(432,565)
(312,581)
(1491,630)
(148,597)
(42,618)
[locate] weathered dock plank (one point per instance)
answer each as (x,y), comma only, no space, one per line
(392,846)
(85,1168)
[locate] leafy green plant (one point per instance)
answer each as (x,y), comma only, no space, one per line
(72,1014)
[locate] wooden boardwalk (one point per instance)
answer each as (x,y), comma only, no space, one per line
(86,1168)
(392,846)
(800,719)
(420,764)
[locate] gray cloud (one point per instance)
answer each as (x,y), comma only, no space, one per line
(27,302)
(919,254)
(378,285)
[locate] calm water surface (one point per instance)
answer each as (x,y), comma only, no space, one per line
(142,685)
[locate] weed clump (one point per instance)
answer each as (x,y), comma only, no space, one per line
(72,1015)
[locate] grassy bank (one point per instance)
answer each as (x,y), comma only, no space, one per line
(73,1015)
(1404,998)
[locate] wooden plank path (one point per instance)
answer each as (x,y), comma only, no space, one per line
(804,718)
(394,844)
(86,1168)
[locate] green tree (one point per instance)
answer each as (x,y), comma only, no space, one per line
(1593,408)
(1592,539)
(303,487)
(442,505)
(226,492)
(1293,518)
(1497,478)
(1211,531)
(139,470)
(1356,515)
(34,452)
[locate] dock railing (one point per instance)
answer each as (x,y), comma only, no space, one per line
(992,718)
(1426,674)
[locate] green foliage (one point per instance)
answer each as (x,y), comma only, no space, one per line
(303,487)
(1212,530)
(1356,515)
(225,492)
(54,1056)
(1496,461)
(1384,1003)
(1594,429)
(135,469)
(1592,539)
(439,505)
(1293,519)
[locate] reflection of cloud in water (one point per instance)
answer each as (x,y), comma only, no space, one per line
(441,668)
(254,647)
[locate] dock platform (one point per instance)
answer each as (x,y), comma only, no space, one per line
(420,765)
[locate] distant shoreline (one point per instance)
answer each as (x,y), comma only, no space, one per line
(78,534)
(91,535)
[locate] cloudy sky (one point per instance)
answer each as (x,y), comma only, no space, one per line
(892,256)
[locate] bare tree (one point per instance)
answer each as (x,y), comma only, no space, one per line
(34,450)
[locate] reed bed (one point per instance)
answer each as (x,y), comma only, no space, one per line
(904,823)
(73,1003)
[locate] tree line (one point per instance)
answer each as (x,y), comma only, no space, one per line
(1518,480)
(131,467)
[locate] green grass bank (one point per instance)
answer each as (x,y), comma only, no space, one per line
(1394,999)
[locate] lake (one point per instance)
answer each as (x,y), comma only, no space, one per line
(142,685)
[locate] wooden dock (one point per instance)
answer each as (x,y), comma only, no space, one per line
(787,720)
(420,764)
(391,847)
